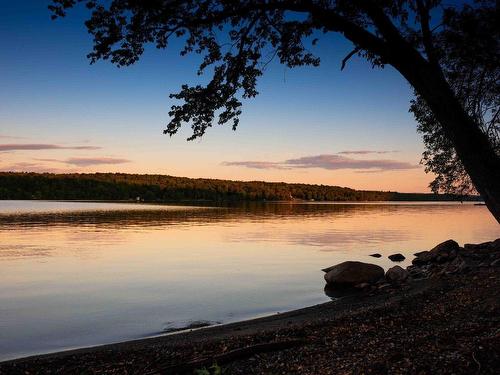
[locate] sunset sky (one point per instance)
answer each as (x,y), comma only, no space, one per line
(310,125)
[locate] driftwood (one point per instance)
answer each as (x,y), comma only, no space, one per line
(227,357)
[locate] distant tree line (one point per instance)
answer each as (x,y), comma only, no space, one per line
(156,188)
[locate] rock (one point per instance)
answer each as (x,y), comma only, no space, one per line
(396,274)
(485,247)
(397,257)
(376,255)
(416,275)
(442,258)
(452,255)
(445,247)
(443,251)
(456,266)
(424,257)
(471,255)
(353,273)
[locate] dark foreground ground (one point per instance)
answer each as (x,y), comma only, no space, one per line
(448,322)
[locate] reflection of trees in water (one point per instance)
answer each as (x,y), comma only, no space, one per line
(250,211)
(20,251)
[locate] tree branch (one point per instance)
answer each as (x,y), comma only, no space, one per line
(351,54)
(423,12)
(326,18)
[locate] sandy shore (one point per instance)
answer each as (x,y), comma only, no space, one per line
(444,323)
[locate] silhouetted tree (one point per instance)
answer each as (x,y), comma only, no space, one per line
(469,48)
(239,38)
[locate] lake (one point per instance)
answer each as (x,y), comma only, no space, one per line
(77,274)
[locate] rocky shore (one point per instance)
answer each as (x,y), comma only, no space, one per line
(444,259)
(441,315)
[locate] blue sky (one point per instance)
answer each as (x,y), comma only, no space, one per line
(102,118)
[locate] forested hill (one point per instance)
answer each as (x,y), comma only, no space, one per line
(121,186)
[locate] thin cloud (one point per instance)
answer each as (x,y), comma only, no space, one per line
(254,164)
(366,152)
(85,162)
(333,162)
(49,160)
(31,167)
(330,162)
(367,171)
(73,164)
(42,146)
(20,165)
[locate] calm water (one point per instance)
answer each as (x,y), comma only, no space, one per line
(80,274)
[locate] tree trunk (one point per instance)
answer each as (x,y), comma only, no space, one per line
(472,146)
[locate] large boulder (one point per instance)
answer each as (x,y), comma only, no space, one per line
(444,251)
(445,247)
(396,274)
(353,273)
(423,257)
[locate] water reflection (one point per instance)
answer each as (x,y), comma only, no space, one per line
(336,293)
(74,278)
(158,216)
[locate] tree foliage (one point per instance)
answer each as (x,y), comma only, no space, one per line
(237,39)
(121,186)
(469,55)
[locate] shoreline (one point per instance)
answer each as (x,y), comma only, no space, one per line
(444,317)
(248,326)
(231,203)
